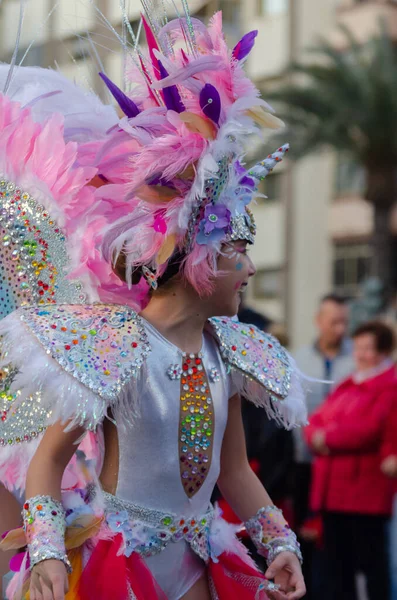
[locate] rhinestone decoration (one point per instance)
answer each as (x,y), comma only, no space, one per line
(44,524)
(22,424)
(174,372)
(150,531)
(33,254)
(214,375)
(103,346)
(243,228)
(258,354)
(213,189)
(271,534)
(196,424)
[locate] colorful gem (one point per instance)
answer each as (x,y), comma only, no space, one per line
(175,372)
(196,413)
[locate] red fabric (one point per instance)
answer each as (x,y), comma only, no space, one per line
(107,575)
(359,422)
(236,580)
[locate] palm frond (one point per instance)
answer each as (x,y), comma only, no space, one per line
(344,99)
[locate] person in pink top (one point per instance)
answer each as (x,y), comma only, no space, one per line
(351,435)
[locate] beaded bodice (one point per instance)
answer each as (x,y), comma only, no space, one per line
(170,460)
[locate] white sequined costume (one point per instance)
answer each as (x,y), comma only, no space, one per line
(76,362)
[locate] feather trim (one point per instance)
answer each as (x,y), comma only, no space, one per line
(66,399)
(290,412)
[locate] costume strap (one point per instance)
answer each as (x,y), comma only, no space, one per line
(44,524)
(271,534)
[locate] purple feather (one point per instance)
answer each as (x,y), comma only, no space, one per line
(128,107)
(245,45)
(210,102)
(171,94)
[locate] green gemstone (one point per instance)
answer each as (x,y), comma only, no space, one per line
(208,433)
(203,521)
(93,331)
(167,521)
(197,418)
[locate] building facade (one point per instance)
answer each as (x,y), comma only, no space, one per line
(314,227)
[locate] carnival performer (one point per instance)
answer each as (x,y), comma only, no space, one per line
(155,393)
(37,103)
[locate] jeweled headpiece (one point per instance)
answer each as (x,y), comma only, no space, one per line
(177,156)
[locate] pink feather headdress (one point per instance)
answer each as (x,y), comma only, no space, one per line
(176,158)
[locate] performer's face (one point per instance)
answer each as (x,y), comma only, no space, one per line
(235,268)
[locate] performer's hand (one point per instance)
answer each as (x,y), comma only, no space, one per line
(389,466)
(49,581)
(318,442)
(286,572)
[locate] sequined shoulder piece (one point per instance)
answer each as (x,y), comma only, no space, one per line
(258,355)
(102,346)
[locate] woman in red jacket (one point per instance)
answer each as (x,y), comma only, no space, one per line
(350,435)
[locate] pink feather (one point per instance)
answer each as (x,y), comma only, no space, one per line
(152,44)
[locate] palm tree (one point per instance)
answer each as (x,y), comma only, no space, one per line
(346,100)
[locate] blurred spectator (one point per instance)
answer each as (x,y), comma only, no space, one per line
(252,317)
(280,332)
(351,434)
(327,358)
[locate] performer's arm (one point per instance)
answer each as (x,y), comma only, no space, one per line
(43,488)
(54,453)
(246,495)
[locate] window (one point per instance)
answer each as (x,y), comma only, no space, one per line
(268,283)
(352,265)
(350,177)
(272,7)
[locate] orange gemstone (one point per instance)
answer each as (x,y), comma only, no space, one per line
(39,507)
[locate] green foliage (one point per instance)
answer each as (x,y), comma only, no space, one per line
(344,99)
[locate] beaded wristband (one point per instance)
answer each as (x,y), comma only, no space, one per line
(44,524)
(271,534)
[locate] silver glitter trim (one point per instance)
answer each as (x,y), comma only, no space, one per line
(34,248)
(213,592)
(258,355)
(131,595)
(243,228)
(277,546)
(158,528)
(78,336)
(44,525)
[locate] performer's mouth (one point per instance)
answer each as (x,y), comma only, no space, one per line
(242,288)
